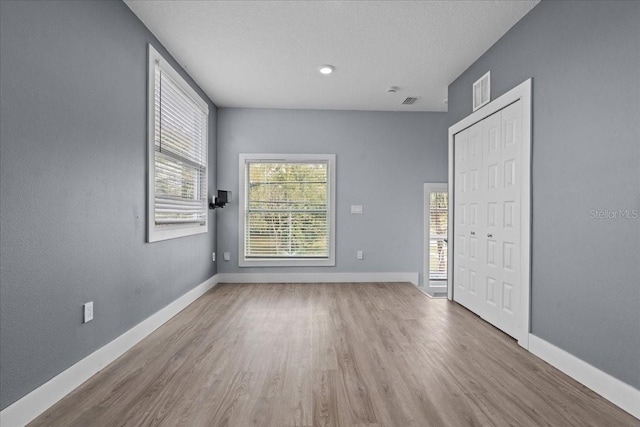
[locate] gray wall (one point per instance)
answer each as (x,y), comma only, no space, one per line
(383,159)
(73,80)
(584,58)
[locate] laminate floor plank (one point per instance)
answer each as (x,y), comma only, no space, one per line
(329,355)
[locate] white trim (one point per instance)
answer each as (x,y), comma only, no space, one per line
(450,237)
(317,277)
(617,392)
(429,285)
(155,234)
(329,261)
(39,400)
(521,92)
(428,294)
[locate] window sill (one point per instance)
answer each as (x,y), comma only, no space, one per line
(265,262)
(158,235)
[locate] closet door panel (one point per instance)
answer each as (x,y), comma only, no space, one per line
(487,218)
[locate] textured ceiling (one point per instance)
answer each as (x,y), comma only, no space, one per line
(266,54)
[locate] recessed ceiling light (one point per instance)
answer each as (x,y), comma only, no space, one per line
(326,69)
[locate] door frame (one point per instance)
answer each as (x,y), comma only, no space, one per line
(521,93)
(430,187)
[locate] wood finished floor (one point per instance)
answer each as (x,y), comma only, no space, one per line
(329,355)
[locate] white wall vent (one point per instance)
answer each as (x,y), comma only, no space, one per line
(409,100)
(482,91)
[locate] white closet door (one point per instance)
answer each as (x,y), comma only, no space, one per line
(486,218)
(467,214)
(461,227)
(509,227)
(489,199)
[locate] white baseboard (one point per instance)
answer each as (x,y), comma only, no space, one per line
(39,400)
(617,392)
(429,295)
(316,277)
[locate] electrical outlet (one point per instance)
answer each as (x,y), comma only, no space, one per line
(227,256)
(88,312)
(356,209)
(213,257)
(359,255)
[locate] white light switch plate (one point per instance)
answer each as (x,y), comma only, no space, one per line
(356,209)
(227,256)
(88,312)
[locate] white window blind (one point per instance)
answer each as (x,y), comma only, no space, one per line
(288,211)
(438,234)
(178,205)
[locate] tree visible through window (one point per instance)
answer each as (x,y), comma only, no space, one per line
(178,121)
(438,236)
(287,209)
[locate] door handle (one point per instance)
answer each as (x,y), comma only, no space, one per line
(473,233)
(489,235)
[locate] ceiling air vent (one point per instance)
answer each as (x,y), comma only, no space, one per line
(410,100)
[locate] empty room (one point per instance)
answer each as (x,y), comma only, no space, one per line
(319,213)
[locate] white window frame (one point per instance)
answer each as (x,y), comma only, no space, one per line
(158,233)
(432,286)
(242,203)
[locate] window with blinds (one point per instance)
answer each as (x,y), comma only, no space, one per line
(287,210)
(178,120)
(438,217)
